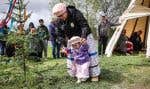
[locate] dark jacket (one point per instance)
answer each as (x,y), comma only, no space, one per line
(137,42)
(56,34)
(43,32)
(35,43)
(104,29)
(3,33)
(76,24)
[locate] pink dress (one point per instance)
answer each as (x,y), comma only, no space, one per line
(81,61)
(94,69)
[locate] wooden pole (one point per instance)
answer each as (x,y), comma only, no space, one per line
(114,39)
(148,40)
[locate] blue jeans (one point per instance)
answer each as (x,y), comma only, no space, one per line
(56,49)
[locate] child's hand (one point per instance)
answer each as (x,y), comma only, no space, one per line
(83,41)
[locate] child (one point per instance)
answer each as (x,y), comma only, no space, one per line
(81,58)
(35,45)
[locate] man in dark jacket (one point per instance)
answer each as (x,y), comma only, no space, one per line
(44,35)
(104,32)
(73,23)
(137,41)
(56,37)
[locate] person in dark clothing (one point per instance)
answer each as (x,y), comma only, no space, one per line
(56,38)
(104,30)
(3,35)
(121,44)
(44,35)
(136,40)
(31,25)
(73,23)
(35,45)
(10,50)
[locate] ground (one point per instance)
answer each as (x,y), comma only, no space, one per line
(117,72)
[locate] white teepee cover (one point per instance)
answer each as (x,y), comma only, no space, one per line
(135,10)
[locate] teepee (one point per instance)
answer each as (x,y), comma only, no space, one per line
(136,17)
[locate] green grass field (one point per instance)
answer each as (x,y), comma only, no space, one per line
(117,72)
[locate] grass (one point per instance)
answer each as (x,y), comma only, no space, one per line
(117,72)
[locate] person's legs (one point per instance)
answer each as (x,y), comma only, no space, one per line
(82,72)
(54,49)
(105,39)
(99,46)
(94,65)
(45,42)
(2,47)
(40,54)
(70,66)
(71,69)
(58,50)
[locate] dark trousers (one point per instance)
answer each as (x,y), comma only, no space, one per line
(56,49)
(102,43)
(10,50)
(2,47)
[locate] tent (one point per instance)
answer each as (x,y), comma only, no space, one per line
(136,17)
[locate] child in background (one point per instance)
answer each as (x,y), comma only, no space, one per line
(81,58)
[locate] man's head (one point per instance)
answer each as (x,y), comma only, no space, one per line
(60,11)
(124,32)
(41,21)
(139,32)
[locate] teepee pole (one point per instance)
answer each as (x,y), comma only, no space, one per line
(114,39)
(148,40)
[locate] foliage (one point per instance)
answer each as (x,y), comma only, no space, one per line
(21,44)
(117,72)
(19,13)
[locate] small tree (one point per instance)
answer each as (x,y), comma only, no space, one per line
(21,44)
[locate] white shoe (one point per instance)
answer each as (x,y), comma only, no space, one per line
(83,79)
(78,81)
(94,79)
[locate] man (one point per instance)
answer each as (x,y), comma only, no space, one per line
(56,38)
(137,41)
(44,35)
(104,30)
(73,23)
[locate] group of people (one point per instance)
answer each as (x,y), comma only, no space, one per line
(125,45)
(70,30)
(37,37)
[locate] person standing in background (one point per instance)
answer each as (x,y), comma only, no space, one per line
(44,35)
